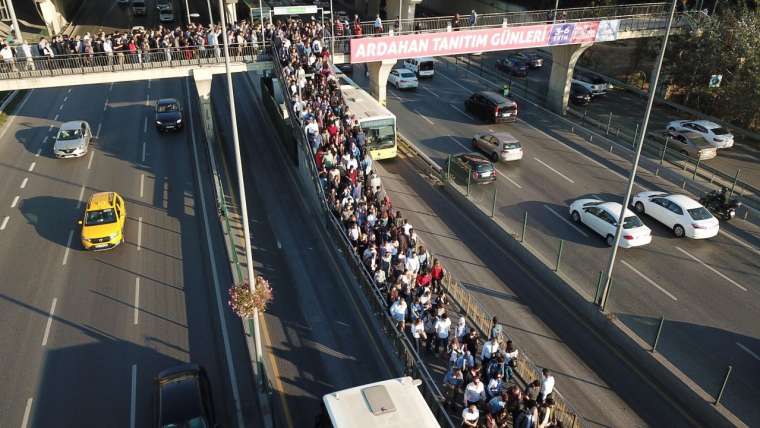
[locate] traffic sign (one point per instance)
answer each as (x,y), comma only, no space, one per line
(295,10)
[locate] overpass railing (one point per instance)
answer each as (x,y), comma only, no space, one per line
(69,65)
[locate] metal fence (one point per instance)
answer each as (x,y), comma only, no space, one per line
(67,65)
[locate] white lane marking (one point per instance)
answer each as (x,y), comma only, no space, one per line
(568,222)
(68,91)
(105,106)
(461,111)
(97,134)
(23,182)
(49,322)
(37,153)
(148,83)
(110,87)
(424,117)
(81,197)
(143,152)
(133,399)
(15,201)
(139,233)
(31,167)
(5,222)
(44,140)
(428,90)
(27,412)
(142,184)
(68,247)
(747,350)
(215,276)
(60,108)
(66,98)
(457,141)
(555,171)
(56,117)
(454,82)
(491,130)
(92,156)
(740,242)
(147,100)
(715,271)
(647,279)
(145,125)
(508,179)
(137,299)
(279,246)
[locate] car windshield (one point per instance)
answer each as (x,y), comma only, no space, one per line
(632,222)
(483,167)
(510,146)
(406,74)
(69,134)
(94,218)
(699,213)
(165,108)
(720,131)
(192,423)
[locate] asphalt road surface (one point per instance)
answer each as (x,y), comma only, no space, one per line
(83,334)
(706,290)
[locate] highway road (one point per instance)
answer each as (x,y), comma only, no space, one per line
(706,290)
(83,334)
(320,335)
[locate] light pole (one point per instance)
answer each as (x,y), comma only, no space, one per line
(187,11)
(210,15)
(632,177)
(263,30)
(14,21)
(332,30)
(556,6)
(243,204)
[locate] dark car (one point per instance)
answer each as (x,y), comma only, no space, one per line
(346,68)
(491,107)
(513,67)
(531,58)
(477,166)
(183,398)
(579,95)
(168,115)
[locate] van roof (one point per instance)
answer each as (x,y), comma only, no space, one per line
(493,96)
(100,201)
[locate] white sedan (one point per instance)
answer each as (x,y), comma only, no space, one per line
(403,78)
(602,217)
(683,215)
(715,134)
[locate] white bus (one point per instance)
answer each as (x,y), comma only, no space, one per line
(378,123)
(396,403)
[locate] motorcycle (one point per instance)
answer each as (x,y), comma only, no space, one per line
(713,201)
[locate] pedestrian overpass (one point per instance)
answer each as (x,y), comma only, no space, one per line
(566,33)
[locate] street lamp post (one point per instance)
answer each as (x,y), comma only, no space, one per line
(187,12)
(632,176)
(556,6)
(332,29)
(14,21)
(210,14)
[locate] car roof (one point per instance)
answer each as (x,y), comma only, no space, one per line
(180,398)
(74,124)
(684,201)
(100,201)
(614,209)
(400,69)
(504,137)
(163,101)
(474,157)
(706,123)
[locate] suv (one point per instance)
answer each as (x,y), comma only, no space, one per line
(512,66)
(183,398)
(579,94)
(491,107)
(168,115)
(138,7)
(103,222)
(596,85)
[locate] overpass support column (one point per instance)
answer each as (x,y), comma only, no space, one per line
(378,77)
(230,9)
(53,19)
(563,62)
(202,80)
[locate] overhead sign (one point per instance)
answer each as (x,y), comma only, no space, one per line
(608,30)
(295,10)
(369,49)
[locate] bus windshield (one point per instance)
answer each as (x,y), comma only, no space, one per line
(380,136)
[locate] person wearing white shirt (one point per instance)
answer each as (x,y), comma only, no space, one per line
(442,325)
(470,416)
(418,333)
(398,312)
(475,392)
(547,385)
(413,263)
(511,352)
(490,348)
(495,385)
(461,329)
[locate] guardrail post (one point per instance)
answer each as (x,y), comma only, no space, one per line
(723,387)
(448,168)
(635,136)
(493,203)
(733,185)
(585,113)
(696,167)
(659,332)
(609,123)
(469,175)
(598,287)
(559,253)
(664,150)
(525,227)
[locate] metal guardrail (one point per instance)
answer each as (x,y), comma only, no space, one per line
(402,347)
(69,65)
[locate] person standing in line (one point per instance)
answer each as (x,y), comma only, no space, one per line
(475,392)
(490,350)
(547,385)
(473,18)
(418,333)
(452,384)
(442,325)
(470,416)
(378,24)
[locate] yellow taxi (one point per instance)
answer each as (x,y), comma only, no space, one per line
(103,223)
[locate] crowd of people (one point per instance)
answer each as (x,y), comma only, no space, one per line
(480,374)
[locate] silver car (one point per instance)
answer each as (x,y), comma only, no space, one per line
(73,139)
(166,15)
(498,146)
(690,143)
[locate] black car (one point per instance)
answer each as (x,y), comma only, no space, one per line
(479,168)
(183,398)
(579,94)
(513,67)
(346,68)
(168,115)
(491,107)
(531,58)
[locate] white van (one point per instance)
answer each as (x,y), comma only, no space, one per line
(423,67)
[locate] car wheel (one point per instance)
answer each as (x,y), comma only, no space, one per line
(576,217)
(610,240)
(679,231)
(639,207)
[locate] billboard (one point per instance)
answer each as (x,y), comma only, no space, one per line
(369,49)
(608,30)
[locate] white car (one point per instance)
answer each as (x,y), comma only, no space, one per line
(596,85)
(403,78)
(73,139)
(602,218)
(683,215)
(715,134)
(498,146)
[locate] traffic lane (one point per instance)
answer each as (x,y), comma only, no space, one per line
(317,338)
(89,18)
(540,326)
